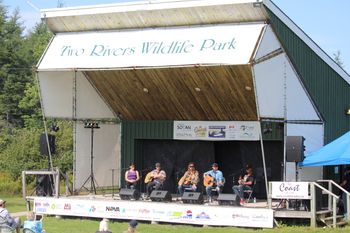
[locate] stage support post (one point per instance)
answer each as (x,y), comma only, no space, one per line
(260,134)
(269,196)
(313,205)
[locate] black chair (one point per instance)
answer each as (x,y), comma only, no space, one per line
(248,193)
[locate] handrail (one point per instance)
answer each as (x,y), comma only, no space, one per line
(330,182)
(335,184)
(325,190)
(335,197)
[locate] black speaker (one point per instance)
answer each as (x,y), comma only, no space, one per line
(295,148)
(159,195)
(192,198)
(43,144)
(228,199)
(43,185)
(129,194)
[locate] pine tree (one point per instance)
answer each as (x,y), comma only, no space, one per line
(14,70)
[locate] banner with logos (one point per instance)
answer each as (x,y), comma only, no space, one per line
(220,44)
(217,130)
(155,211)
(290,190)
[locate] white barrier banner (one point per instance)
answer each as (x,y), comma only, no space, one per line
(221,44)
(290,190)
(217,130)
(154,211)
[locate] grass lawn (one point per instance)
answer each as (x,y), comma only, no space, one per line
(14,204)
(54,225)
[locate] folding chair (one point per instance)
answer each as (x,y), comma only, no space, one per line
(4,227)
(27,230)
(249,192)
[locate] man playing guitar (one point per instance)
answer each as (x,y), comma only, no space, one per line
(244,183)
(155,179)
(189,179)
(213,179)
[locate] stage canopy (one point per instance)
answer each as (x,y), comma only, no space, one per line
(172,61)
(335,153)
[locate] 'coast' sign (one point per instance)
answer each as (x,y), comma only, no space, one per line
(228,44)
(290,190)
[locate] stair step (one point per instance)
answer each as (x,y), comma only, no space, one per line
(342,223)
(331,218)
(323,212)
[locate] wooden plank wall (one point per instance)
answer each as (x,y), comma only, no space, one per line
(183,93)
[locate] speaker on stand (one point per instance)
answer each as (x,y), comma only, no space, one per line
(43,144)
(295,148)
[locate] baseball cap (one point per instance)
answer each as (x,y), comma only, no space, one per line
(214,165)
(2,202)
(133,223)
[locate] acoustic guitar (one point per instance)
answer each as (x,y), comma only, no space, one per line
(208,180)
(148,178)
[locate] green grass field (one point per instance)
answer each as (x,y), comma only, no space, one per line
(14,204)
(54,225)
(75,225)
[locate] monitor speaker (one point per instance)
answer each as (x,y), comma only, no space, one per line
(129,194)
(192,198)
(43,144)
(160,196)
(228,199)
(295,148)
(43,185)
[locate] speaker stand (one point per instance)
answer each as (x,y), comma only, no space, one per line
(91,177)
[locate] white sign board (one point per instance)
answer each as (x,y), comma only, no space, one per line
(229,44)
(290,190)
(152,211)
(217,130)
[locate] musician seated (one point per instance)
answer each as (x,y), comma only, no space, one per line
(155,179)
(244,183)
(189,180)
(131,177)
(213,179)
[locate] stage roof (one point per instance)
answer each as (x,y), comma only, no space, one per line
(185,93)
(170,13)
(149,14)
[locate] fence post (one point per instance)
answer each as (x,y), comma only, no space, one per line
(313,205)
(334,212)
(24,191)
(269,196)
(329,196)
(57,183)
(347,207)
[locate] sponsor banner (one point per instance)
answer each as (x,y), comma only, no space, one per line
(217,130)
(152,211)
(221,44)
(290,190)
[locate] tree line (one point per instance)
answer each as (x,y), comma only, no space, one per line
(21,122)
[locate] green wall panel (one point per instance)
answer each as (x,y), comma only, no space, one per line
(132,130)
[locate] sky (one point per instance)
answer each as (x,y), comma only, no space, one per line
(326,22)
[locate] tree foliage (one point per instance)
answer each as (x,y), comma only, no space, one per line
(338,59)
(20,114)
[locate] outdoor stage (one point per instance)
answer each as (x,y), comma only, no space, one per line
(211,214)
